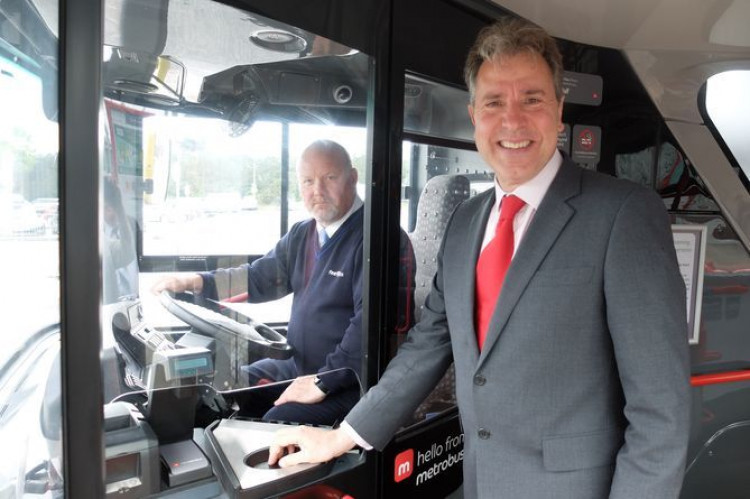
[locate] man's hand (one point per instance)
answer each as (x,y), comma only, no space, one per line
(305,444)
(178,284)
(303,391)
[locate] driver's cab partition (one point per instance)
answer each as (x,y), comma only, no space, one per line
(215,350)
(235,339)
(233,342)
(183,431)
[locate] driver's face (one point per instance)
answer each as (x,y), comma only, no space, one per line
(327,185)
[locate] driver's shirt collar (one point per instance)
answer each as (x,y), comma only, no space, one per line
(332,228)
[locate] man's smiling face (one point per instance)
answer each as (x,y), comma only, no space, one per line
(516,117)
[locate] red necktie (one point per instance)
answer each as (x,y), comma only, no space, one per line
(493,264)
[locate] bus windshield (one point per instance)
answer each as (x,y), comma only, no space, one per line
(202,184)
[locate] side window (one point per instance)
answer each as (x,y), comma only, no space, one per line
(726,286)
(727,108)
(668,171)
(31,416)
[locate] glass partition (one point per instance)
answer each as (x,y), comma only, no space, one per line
(436,175)
(436,110)
(220,294)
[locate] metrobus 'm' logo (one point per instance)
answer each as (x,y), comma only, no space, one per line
(403,466)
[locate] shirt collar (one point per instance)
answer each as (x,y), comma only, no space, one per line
(333,227)
(532,191)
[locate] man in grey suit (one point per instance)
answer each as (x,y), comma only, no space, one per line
(580,386)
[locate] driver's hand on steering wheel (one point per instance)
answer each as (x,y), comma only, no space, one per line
(303,391)
(178,284)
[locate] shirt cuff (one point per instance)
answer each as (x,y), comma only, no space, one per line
(354,436)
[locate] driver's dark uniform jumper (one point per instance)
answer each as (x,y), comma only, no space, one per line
(325,326)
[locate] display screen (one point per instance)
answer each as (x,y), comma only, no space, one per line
(190,366)
(122,468)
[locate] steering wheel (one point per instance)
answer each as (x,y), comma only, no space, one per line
(261,339)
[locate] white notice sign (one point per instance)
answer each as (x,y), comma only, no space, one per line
(690,245)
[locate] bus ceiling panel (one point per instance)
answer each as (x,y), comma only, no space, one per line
(674,78)
(433,38)
(717,173)
(206,58)
(609,23)
(327,89)
(641,24)
(357,24)
(673,45)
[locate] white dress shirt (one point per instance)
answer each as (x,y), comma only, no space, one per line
(531,193)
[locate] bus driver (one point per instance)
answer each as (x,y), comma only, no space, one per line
(320,261)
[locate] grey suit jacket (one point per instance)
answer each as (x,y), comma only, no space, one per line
(582,387)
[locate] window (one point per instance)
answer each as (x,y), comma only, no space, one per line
(728,107)
(666,170)
(30,419)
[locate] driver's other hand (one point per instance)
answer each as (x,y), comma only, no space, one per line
(305,444)
(178,283)
(303,391)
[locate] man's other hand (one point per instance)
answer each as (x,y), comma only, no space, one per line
(305,444)
(179,283)
(303,391)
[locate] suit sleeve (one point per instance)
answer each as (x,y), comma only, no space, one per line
(646,315)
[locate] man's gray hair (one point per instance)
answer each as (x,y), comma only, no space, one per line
(510,36)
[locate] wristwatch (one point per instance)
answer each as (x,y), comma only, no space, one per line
(321,386)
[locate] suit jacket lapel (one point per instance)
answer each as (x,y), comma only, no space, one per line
(550,219)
